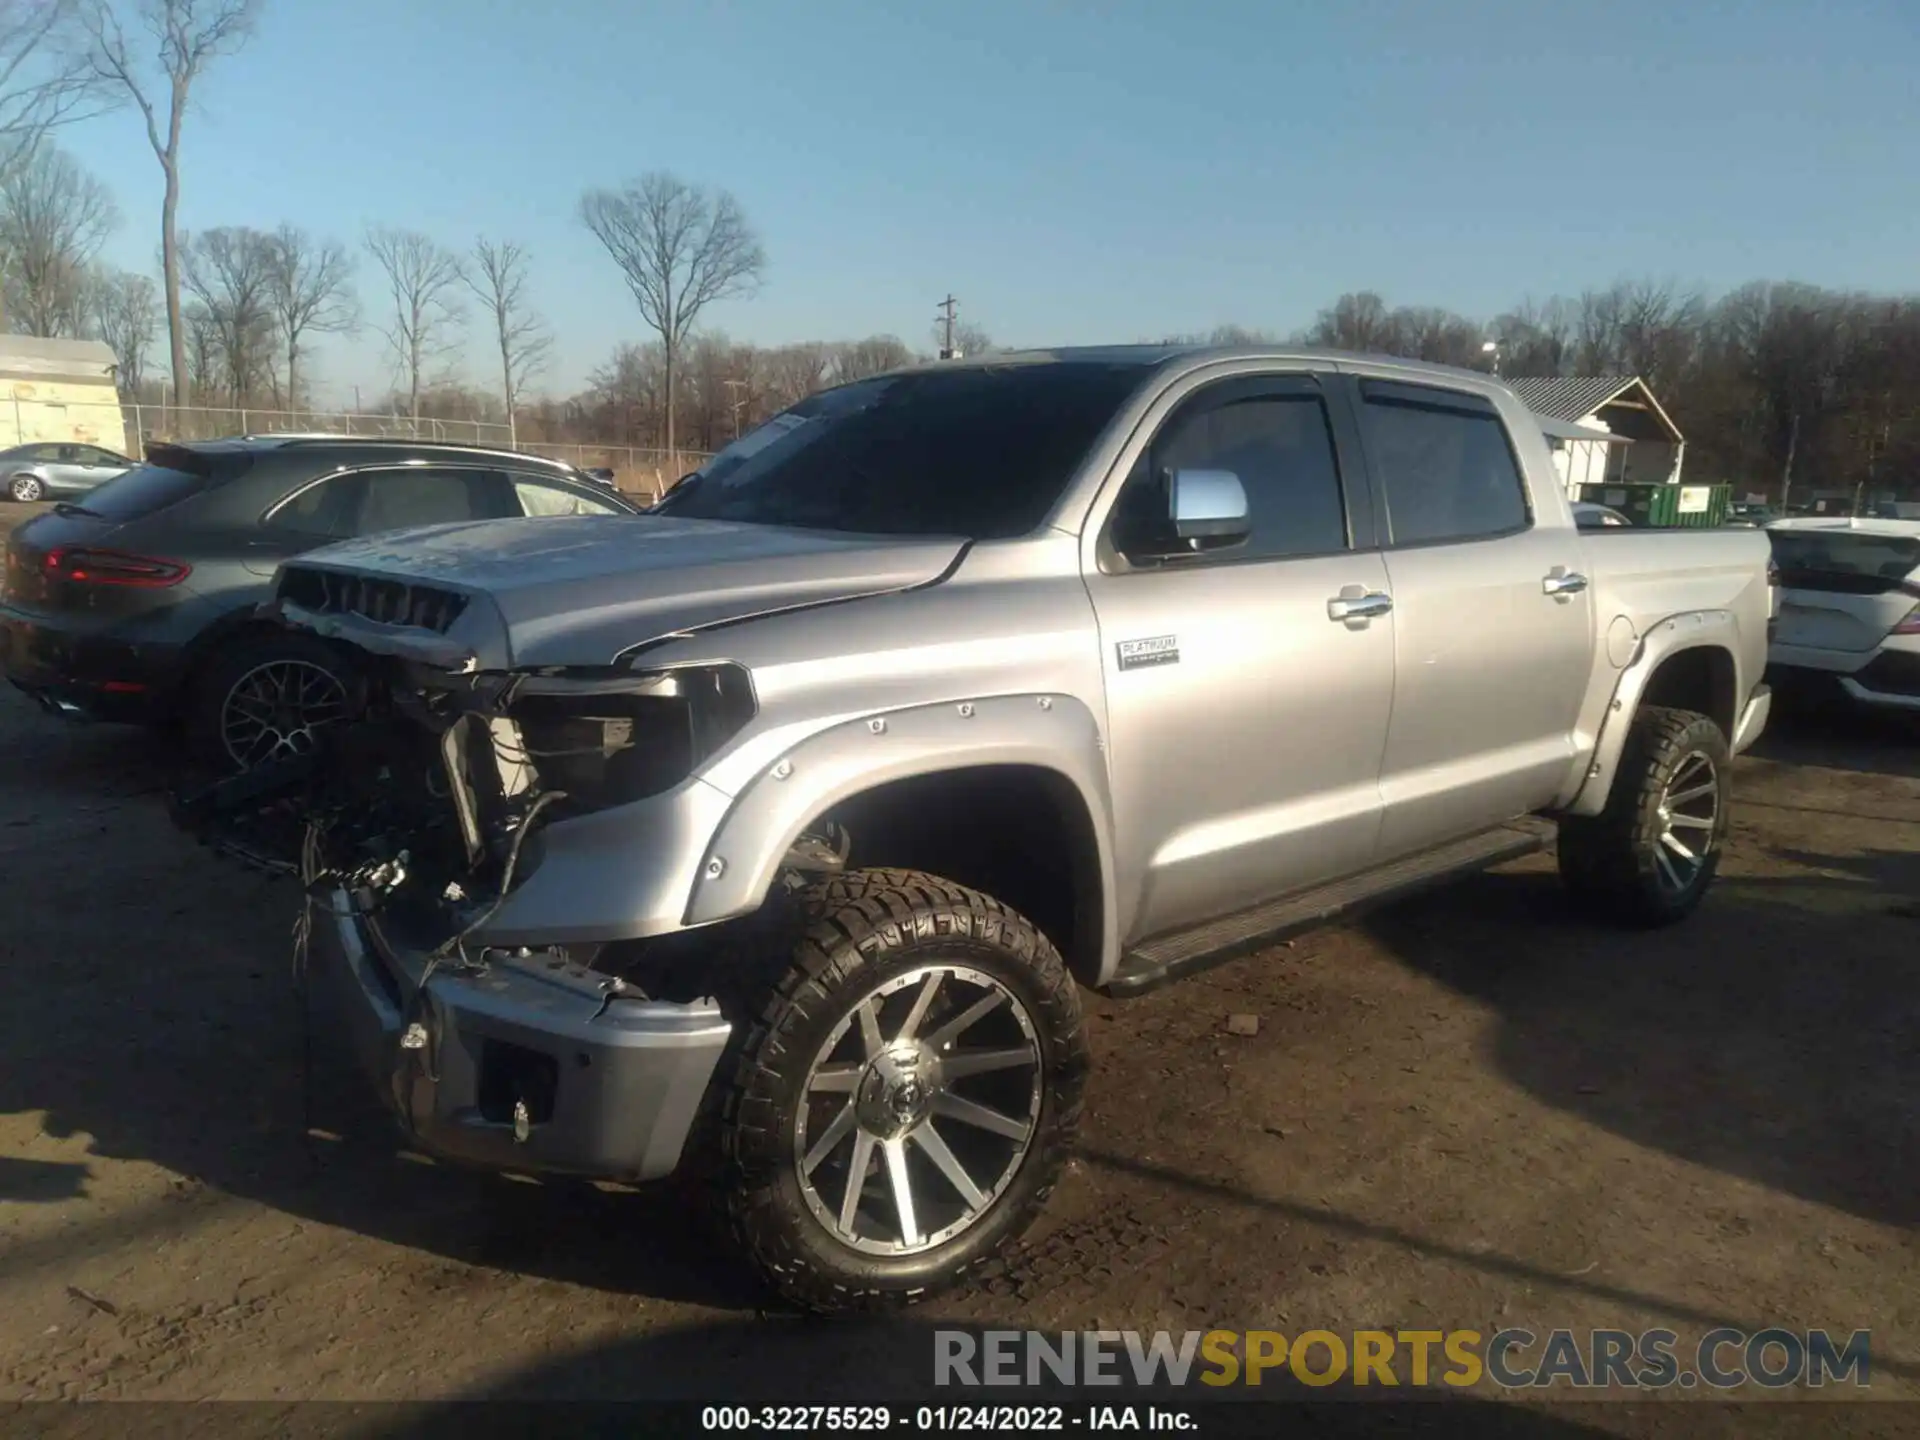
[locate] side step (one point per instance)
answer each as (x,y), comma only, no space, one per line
(1182,953)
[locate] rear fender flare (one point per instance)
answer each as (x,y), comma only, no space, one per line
(1048,732)
(1586,793)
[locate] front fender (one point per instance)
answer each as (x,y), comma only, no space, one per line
(1586,791)
(1049,732)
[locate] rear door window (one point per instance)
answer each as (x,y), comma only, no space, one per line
(324,509)
(403,499)
(141,492)
(538,497)
(1444,464)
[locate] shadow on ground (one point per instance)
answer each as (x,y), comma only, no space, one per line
(1770,1037)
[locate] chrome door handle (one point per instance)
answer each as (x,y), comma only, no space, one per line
(1359,607)
(1564,584)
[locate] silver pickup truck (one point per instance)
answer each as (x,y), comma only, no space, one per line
(766,837)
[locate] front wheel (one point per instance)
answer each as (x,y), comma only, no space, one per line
(26,488)
(1649,858)
(905,1103)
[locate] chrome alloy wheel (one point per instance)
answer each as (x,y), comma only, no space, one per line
(272,711)
(1689,817)
(936,1079)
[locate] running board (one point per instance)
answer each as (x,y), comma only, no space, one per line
(1184,952)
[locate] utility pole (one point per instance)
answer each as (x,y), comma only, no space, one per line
(947,307)
(1786,473)
(734,387)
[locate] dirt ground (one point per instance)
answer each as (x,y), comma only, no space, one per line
(1472,1110)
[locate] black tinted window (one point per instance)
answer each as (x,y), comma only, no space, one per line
(1846,560)
(1282,450)
(319,509)
(145,491)
(981,452)
(1448,472)
(402,499)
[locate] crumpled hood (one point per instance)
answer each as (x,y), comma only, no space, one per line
(579,590)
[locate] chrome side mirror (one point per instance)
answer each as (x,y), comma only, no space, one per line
(1208,508)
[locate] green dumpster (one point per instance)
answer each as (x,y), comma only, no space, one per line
(1664,507)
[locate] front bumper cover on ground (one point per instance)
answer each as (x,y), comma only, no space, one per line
(523,1062)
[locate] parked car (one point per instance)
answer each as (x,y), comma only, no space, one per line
(1849,624)
(1746,512)
(136,602)
(768,833)
(48,471)
(1589,516)
(599,474)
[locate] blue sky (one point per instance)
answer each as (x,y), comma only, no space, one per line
(1073,172)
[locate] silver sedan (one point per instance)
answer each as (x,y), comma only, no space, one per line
(47,471)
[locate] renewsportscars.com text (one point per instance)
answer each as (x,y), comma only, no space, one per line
(1514,1358)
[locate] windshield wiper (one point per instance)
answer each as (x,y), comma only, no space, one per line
(67,507)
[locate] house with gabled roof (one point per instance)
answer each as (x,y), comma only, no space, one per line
(1604,429)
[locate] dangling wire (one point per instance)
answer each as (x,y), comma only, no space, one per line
(302,946)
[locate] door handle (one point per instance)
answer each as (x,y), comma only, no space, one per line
(1359,607)
(1568,584)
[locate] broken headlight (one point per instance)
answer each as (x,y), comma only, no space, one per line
(614,737)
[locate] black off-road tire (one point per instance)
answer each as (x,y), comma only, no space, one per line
(861,929)
(1608,861)
(206,693)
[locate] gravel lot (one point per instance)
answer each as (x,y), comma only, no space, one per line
(1469,1110)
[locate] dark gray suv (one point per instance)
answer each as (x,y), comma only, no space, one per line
(136,603)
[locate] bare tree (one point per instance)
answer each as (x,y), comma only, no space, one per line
(498,276)
(54,217)
(1359,322)
(186,36)
(423,282)
(229,270)
(796,371)
(857,359)
(310,292)
(968,339)
(126,313)
(679,248)
(46,77)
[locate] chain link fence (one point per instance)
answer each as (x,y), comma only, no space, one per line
(131,428)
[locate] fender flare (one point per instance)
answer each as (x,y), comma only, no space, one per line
(1055,733)
(1688,630)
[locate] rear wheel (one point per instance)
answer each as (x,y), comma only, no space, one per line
(904,1105)
(266,698)
(26,488)
(1651,855)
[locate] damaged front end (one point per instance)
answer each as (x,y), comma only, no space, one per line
(411,824)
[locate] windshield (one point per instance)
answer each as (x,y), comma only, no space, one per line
(980,453)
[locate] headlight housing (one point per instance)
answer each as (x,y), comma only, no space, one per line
(610,738)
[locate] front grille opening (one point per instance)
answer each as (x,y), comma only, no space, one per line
(513,1074)
(386,602)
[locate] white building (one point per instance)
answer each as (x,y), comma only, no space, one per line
(1604,430)
(59,390)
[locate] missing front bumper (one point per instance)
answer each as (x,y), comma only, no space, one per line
(528,1062)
